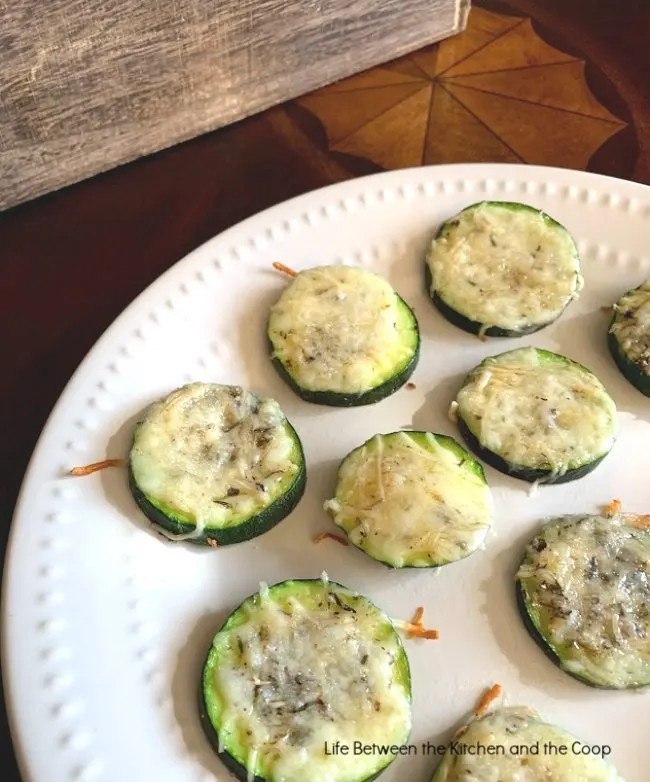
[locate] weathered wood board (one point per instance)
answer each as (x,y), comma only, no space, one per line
(86,85)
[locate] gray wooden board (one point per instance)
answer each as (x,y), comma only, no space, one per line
(86,85)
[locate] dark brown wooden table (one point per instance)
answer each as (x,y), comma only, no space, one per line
(568,78)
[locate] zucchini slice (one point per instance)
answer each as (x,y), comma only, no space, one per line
(298,670)
(584,593)
(536,415)
(629,337)
(502,269)
(342,336)
(412,499)
(514,744)
(215,464)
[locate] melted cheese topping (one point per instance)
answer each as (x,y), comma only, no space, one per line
(406,499)
(213,455)
(538,410)
(506,730)
(505,267)
(300,668)
(587,586)
(631,326)
(341,329)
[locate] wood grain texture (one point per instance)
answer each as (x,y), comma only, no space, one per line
(90,84)
(498,91)
(72,260)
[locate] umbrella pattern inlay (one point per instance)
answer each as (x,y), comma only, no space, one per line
(498,92)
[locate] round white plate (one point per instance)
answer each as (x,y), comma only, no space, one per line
(106,624)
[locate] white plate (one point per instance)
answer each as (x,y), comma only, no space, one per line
(105,624)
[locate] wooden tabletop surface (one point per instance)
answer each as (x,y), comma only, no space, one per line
(552,82)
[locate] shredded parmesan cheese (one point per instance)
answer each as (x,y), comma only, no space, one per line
(304,666)
(534,489)
(416,621)
(487,700)
(505,267)
(341,329)
(415,628)
(417,616)
(411,498)
(89,469)
(506,743)
(613,508)
(538,411)
(631,327)
(637,521)
(284,269)
(215,454)
(330,536)
(586,580)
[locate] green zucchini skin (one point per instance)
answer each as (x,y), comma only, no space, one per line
(183,455)
(554,474)
(234,766)
(596,539)
(403,451)
(354,341)
(464,321)
(513,727)
(232,763)
(253,527)
(630,371)
(628,337)
(523,473)
(370,397)
(473,326)
(543,644)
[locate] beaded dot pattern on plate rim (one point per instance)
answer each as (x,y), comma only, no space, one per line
(77,742)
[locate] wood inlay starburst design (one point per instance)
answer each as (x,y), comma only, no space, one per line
(495,93)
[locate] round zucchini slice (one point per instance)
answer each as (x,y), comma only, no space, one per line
(342,336)
(536,415)
(502,269)
(629,337)
(514,743)
(298,671)
(584,593)
(412,499)
(215,464)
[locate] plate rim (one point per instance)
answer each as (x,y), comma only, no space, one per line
(475,171)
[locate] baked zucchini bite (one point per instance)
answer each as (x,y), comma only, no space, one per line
(502,269)
(297,670)
(584,593)
(629,337)
(536,415)
(215,464)
(412,499)
(507,745)
(342,336)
